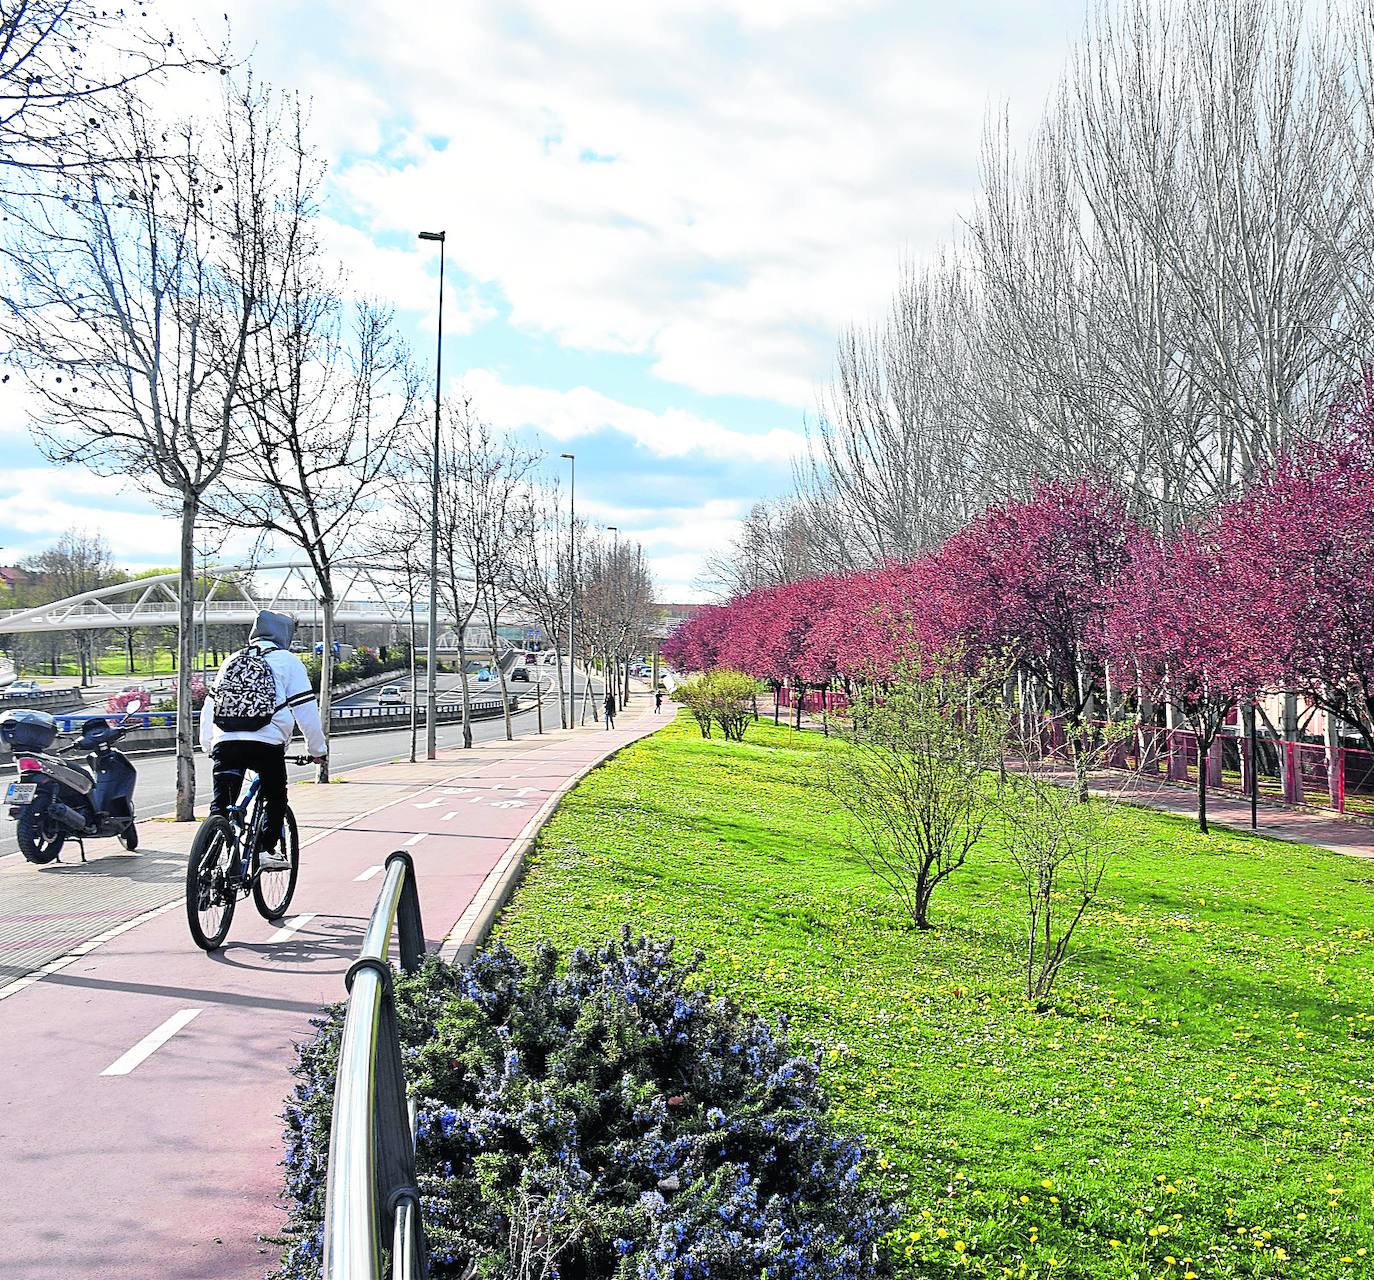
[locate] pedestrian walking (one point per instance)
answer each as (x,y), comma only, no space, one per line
(658,701)
(609,707)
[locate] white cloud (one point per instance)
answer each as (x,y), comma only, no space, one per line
(673,433)
(716,186)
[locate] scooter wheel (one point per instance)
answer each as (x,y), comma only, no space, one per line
(36,843)
(129,837)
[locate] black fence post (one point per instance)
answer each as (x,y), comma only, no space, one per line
(410,930)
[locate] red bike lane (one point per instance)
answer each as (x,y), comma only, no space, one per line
(144,1081)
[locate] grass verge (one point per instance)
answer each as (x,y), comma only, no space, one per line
(1199,1101)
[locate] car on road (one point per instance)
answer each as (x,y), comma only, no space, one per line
(23,688)
(390,695)
(521,673)
(531,659)
(483,676)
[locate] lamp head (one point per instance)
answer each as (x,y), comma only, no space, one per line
(432,235)
(569,456)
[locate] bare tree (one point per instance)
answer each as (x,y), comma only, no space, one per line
(1168,282)
(137,302)
(330,390)
(481,487)
(913,775)
(79,561)
(615,602)
(542,571)
(775,544)
(1061,844)
(67,69)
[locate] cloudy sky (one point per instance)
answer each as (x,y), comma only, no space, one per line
(658,216)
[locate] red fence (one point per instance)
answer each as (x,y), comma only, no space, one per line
(1289,772)
(815,700)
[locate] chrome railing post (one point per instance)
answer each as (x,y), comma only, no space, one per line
(371,1187)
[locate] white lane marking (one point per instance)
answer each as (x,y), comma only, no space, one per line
(167,862)
(429,804)
(507,804)
(415,839)
(449,817)
(291,926)
(368,874)
(150,1043)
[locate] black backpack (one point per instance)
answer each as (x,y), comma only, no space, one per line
(246,693)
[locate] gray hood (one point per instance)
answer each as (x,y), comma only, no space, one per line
(276,627)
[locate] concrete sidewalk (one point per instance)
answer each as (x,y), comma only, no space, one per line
(144,1079)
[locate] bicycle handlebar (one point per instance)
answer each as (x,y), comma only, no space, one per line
(302,759)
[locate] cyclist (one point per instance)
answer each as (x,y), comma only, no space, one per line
(260,696)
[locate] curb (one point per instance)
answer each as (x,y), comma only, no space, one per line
(471,929)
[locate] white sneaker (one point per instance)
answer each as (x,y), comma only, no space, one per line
(273,860)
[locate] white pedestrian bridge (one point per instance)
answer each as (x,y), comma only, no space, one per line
(365,592)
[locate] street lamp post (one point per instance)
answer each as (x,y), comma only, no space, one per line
(432,667)
(613,659)
(572,589)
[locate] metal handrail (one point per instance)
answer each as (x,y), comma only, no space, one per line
(371,1187)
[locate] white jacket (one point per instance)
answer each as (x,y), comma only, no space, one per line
(298,708)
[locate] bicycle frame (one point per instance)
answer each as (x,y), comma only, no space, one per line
(245,834)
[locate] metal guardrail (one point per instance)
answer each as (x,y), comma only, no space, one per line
(39,695)
(478,707)
(370,1185)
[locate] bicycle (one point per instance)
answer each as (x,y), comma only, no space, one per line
(223,867)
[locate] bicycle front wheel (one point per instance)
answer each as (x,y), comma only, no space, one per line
(273,888)
(210,896)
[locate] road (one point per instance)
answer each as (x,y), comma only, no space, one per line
(140,1129)
(156,793)
(449,687)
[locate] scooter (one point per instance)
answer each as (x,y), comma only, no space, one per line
(57,800)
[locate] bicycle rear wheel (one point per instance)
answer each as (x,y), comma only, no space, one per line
(210,898)
(273,890)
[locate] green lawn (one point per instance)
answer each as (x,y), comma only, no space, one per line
(107,664)
(1199,1102)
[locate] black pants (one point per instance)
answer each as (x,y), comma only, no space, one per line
(232,759)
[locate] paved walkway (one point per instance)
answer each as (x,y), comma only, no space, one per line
(144,1080)
(1306,826)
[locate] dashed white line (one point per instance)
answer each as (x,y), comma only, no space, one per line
(291,926)
(449,817)
(150,1043)
(415,839)
(368,874)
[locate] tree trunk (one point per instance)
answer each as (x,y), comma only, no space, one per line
(1290,753)
(1202,749)
(501,677)
(587,692)
(186,635)
(414,681)
(463,681)
(327,603)
(564,708)
(129,649)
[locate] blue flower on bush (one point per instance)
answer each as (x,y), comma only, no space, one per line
(617,1113)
